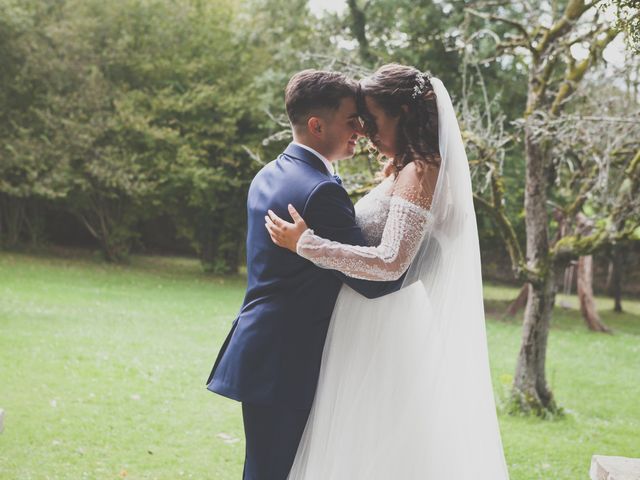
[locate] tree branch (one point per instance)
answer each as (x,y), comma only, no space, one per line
(574,10)
(573,246)
(497,18)
(518,264)
(575,73)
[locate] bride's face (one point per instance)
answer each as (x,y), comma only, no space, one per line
(385,138)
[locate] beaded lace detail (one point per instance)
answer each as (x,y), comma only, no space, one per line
(372,211)
(394,217)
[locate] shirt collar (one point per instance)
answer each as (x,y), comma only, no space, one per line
(326,162)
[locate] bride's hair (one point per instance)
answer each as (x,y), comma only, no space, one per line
(393,86)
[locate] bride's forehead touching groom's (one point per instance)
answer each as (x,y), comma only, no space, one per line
(322,110)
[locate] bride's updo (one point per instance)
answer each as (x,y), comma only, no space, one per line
(393,86)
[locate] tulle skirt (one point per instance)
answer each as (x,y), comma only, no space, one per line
(389,404)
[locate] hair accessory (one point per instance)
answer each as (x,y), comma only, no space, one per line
(420,87)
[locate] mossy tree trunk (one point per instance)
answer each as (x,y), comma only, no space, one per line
(530,391)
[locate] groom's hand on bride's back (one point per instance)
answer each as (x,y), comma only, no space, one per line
(285,234)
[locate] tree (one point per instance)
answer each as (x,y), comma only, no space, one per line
(31,171)
(627,19)
(120,112)
(408,32)
(544,35)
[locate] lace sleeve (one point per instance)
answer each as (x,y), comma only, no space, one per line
(403,233)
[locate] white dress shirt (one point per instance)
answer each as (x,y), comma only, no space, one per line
(326,162)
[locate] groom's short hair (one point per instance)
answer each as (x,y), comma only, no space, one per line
(310,92)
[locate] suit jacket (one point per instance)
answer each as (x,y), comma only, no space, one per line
(272,354)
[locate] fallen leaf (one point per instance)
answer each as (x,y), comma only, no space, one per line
(228,439)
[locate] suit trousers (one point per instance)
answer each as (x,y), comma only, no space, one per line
(272,436)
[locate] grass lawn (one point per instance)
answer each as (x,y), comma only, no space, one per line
(102,372)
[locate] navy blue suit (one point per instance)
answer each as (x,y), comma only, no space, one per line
(270,360)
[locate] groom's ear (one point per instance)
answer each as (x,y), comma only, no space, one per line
(315,126)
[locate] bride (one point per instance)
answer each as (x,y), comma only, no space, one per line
(404,390)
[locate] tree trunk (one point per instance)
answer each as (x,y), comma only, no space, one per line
(530,391)
(585,295)
(615,285)
(113,236)
(12,213)
(34,222)
(359,31)
(519,302)
(567,283)
(207,237)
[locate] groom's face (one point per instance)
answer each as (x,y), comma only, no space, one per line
(342,130)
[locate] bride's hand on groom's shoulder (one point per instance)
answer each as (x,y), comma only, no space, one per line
(283,233)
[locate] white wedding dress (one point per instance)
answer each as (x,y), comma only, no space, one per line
(404,390)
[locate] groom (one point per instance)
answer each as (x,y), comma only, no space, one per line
(270,360)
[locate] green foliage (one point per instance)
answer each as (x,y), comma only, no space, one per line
(129,110)
(627,14)
(428,35)
(120,112)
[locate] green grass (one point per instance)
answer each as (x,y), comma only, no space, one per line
(102,372)
(594,377)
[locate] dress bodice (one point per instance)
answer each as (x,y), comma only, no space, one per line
(372,211)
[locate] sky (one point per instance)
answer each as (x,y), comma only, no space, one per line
(318,6)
